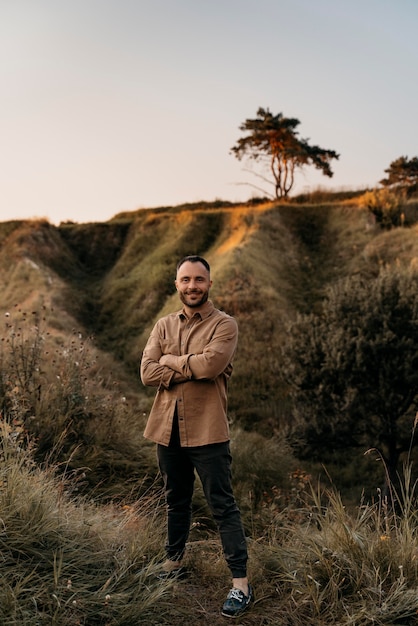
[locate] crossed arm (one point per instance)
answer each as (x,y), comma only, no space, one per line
(164,370)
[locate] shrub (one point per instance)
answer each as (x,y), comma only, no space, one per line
(261,470)
(55,388)
(386,206)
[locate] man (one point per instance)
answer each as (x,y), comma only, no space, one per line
(188,357)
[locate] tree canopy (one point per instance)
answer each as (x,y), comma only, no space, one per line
(274,138)
(402,174)
(353,369)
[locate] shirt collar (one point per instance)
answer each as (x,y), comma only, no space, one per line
(203,313)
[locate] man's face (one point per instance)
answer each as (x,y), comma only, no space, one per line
(193,284)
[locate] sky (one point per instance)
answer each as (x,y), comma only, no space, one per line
(116,105)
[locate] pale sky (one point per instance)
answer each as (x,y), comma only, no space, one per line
(116,105)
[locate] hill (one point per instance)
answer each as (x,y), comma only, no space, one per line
(103,285)
(82,515)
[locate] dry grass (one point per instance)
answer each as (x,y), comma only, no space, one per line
(76,402)
(68,561)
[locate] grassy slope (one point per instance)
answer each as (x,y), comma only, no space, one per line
(114,280)
(84,404)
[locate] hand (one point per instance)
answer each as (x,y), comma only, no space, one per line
(164,359)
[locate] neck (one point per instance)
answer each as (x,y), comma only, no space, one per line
(191,310)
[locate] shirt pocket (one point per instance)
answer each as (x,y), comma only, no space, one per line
(198,342)
(169,346)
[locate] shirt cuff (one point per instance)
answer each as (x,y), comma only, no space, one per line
(166,377)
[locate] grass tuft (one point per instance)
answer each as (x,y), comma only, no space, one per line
(68,561)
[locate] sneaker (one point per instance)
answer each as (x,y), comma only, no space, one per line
(179,573)
(237,602)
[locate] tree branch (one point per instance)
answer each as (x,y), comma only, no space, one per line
(258,188)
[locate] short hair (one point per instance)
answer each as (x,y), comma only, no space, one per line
(194,258)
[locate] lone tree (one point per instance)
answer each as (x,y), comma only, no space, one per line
(274,138)
(353,370)
(402,174)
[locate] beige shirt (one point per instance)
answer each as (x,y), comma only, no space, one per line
(194,378)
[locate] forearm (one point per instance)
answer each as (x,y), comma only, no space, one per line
(209,364)
(155,375)
(162,369)
(177,363)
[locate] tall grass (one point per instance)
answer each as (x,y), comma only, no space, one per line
(62,392)
(347,567)
(67,561)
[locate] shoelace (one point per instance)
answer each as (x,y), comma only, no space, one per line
(237,594)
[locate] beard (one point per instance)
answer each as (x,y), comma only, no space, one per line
(193,304)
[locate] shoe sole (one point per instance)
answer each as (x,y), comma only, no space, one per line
(247,606)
